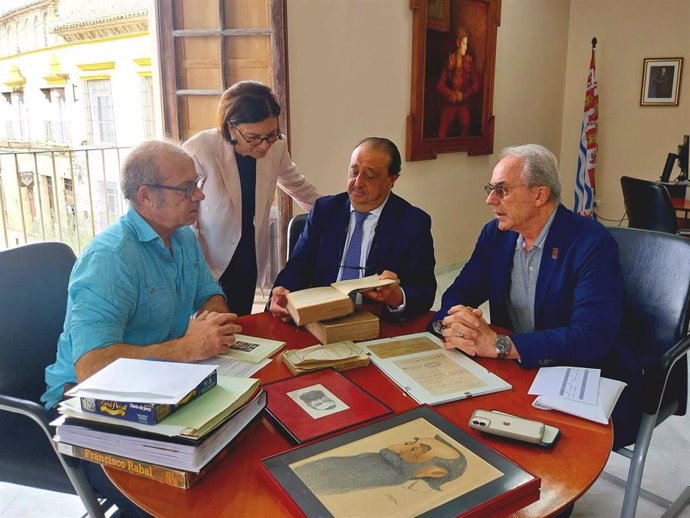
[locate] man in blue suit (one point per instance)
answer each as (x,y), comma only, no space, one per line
(551,276)
(394,239)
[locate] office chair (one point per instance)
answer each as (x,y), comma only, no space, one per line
(295,227)
(655,322)
(33,298)
(648,205)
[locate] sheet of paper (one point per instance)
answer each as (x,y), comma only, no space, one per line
(143,381)
(439,374)
(229,367)
(609,391)
(574,383)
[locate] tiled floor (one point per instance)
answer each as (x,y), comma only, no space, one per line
(667,472)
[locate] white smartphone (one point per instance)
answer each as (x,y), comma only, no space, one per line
(507,425)
(551,433)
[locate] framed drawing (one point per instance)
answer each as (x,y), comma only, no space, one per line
(427,372)
(453,65)
(320,403)
(661,81)
(412,464)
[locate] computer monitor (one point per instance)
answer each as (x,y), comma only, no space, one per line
(683,158)
(668,167)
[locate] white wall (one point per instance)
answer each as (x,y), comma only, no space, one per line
(350,69)
(350,66)
(633,139)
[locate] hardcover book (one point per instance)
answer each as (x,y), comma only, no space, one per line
(142,412)
(360,325)
(326,302)
(415,463)
(169,476)
(340,356)
(427,372)
(177,452)
(320,403)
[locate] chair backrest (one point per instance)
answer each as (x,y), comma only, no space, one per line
(295,227)
(33,297)
(648,205)
(656,275)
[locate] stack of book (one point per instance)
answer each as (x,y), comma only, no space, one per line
(339,356)
(180,448)
(360,325)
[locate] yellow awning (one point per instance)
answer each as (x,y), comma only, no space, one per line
(56,76)
(16,80)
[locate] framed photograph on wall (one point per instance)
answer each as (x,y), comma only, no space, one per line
(661,81)
(453,66)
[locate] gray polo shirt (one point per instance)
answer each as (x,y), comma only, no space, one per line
(523,280)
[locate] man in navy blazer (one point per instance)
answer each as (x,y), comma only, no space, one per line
(551,276)
(396,242)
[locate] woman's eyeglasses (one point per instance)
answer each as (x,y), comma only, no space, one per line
(255,140)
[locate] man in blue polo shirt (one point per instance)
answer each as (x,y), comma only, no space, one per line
(142,288)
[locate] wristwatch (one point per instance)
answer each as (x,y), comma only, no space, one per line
(503,346)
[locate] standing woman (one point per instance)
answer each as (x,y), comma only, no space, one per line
(242,159)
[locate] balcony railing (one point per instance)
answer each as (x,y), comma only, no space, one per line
(70,195)
(64,195)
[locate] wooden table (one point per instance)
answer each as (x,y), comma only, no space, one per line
(236,488)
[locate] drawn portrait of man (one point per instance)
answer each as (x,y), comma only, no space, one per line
(317,401)
(403,471)
(432,460)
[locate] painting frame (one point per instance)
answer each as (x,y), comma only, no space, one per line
(352,405)
(438,15)
(660,87)
(459,116)
(493,483)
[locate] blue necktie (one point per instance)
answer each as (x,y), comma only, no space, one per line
(351,266)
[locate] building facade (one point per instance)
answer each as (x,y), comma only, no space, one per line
(77,93)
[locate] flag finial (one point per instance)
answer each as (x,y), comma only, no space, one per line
(594,42)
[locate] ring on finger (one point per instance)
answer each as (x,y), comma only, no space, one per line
(461,334)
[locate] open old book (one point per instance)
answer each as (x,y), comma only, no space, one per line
(326,302)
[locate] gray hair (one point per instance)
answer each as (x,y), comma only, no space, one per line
(143,165)
(540,167)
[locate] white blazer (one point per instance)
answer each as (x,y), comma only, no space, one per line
(219,225)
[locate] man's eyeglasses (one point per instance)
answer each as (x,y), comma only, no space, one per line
(500,189)
(186,188)
(255,140)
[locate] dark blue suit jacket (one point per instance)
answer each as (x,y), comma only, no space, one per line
(402,243)
(578,301)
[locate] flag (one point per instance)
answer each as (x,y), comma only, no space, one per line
(587,152)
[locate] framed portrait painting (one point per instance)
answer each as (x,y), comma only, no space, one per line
(453,65)
(661,81)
